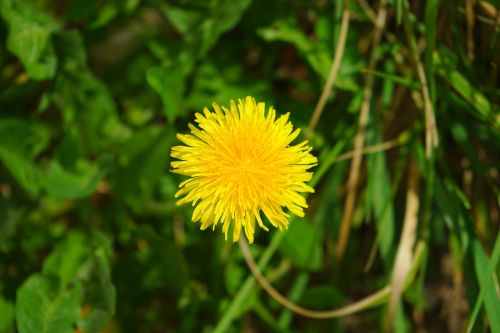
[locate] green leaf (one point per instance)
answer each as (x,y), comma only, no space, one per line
(100,293)
(20,143)
(493,262)
(203,27)
(318,57)
(405,82)
(286,32)
(223,17)
(85,260)
(61,183)
(168,81)
(379,192)
(41,307)
(301,245)
(83,99)
(200,36)
(464,88)
(29,38)
(487,285)
(65,261)
(431,12)
(184,20)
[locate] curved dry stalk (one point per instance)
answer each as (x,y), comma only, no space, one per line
(431,135)
(350,202)
(404,255)
(377,298)
(339,53)
(360,305)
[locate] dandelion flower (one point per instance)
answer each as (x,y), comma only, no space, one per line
(240,162)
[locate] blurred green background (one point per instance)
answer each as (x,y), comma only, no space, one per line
(92,93)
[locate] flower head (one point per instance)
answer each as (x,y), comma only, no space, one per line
(240,163)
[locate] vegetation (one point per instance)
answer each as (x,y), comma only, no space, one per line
(400,101)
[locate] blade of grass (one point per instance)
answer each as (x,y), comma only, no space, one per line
(298,288)
(405,82)
(494,260)
(489,294)
(247,287)
(430,19)
(465,89)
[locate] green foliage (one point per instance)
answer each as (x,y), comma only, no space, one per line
(76,278)
(30,32)
(92,94)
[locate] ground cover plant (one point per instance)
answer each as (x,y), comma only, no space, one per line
(395,230)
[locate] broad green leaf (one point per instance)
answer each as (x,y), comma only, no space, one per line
(184,20)
(168,81)
(84,101)
(42,307)
(317,57)
(20,143)
(301,245)
(100,292)
(29,38)
(283,31)
(223,17)
(84,260)
(210,86)
(202,27)
(61,183)
(67,258)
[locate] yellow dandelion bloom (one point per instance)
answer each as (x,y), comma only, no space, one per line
(240,163)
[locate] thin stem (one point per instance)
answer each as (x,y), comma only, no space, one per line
(368,302)
(369,150)
(431,136)
(350,202)
(347,310)
(339,52)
